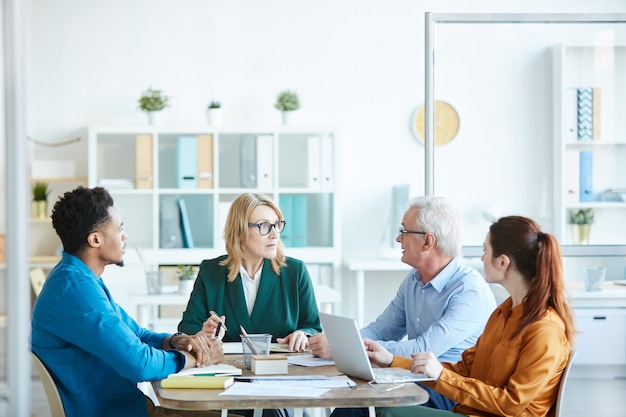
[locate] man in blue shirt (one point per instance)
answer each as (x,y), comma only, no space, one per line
(442,305)
(94,350)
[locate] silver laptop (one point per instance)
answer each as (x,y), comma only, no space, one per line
(350,357)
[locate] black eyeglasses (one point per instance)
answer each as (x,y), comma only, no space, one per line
(403,231)
(265,227)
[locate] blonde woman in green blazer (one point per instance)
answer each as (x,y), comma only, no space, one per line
(254,285)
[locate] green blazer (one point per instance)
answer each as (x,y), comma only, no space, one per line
(284,303)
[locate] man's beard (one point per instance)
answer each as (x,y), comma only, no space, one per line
(120,263)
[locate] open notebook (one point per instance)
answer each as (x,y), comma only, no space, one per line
(350,357)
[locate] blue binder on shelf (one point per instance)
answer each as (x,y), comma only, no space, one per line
(586,176)
(300,221)
(184,224)
(585,110)
(187,162)
(285,202)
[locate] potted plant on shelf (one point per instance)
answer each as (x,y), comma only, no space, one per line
(41,190)
(287,101)
(214,113)
(152,101)
(580,224)
(186,277)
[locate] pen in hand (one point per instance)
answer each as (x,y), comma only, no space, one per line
(220,324)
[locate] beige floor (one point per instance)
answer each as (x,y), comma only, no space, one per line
(589,392)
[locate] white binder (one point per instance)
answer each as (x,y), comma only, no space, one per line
(264,161)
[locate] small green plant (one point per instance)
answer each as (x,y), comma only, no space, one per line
(582,216)
(41,191)
(287,101)
(185,272)
(215,105)
(153,100)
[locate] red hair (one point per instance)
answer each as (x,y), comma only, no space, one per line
(537,256)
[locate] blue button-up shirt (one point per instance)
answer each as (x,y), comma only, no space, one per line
(445,316)
(94,350)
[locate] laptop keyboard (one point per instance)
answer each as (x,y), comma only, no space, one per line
(396,375)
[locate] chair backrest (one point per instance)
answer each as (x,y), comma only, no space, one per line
(37,278)
(559,396)
(50,388)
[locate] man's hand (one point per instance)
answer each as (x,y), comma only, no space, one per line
(319,346)
(206,349)
(297,341)
(378,355)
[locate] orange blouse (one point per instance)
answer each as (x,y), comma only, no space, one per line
(500,376)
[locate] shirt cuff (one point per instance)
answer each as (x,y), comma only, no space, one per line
(180,358)
(401,362)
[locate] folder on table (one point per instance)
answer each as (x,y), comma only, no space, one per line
(197,381)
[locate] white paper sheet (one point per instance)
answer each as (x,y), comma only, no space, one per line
(308,360)
(272,390)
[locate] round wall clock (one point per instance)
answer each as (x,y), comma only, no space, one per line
(446,123)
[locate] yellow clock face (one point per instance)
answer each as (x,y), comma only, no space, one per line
(446,123)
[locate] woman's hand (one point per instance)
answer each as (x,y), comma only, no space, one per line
(426,363)
(210,326)
(378,355)
(297,341)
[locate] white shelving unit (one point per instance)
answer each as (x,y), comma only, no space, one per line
(603,69)
(602,329)
(138,165)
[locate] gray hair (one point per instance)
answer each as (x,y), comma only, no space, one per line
(439,217)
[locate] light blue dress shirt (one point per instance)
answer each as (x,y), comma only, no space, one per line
(94,350)
(445,316)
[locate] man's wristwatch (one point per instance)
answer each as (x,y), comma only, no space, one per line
(172,338)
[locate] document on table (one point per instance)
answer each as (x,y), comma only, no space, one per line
(273,390)
(308,360)
(314,381)
(215,369)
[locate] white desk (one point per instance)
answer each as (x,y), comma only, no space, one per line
(359,267)
(147,306)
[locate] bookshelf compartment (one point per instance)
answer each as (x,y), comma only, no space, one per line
(185,221)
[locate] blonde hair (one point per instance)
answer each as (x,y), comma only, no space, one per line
(236,231)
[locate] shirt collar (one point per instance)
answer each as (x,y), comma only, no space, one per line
(442,278)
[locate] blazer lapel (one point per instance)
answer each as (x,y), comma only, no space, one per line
(269,280)
(237,301)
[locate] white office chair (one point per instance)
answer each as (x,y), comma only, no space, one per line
(559,395)
(50,388)
(37,278)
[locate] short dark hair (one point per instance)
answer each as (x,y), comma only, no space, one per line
(78,213)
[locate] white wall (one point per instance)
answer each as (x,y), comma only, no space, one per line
(357,65)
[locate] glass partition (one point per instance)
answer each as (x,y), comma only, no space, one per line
(541,101)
